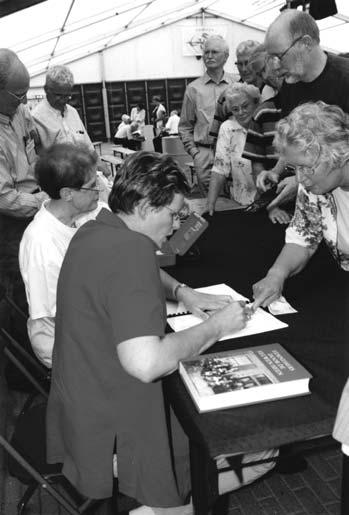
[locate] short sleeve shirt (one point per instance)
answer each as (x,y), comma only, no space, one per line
(109,291)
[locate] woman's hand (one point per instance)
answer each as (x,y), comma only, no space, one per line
(278,215)
(201,303)
(268,289)
(266,179)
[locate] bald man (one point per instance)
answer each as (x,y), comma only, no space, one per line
(309,74)
(199,105)
(20,197)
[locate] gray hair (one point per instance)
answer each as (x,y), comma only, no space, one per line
(217,37)
(242,87)
(7,59)
(258,58)
(247,47)
(59,75)
(315,127)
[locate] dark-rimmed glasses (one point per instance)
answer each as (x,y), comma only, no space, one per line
(280,57)
(20,98)
(175,214)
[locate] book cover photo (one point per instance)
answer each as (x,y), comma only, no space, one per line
(243,376)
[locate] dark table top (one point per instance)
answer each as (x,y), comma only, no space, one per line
(237,249)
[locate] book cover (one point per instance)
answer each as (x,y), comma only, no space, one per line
(243,376)
(187,234)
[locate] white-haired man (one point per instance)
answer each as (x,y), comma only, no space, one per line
(199,105)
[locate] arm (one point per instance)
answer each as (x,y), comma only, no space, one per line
(216,183)
(290,261)
(149,357)
(221,168)
(268,177)
(195,302)
(16,203)
(186,125)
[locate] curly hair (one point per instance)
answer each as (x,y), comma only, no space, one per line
(316,127)
(247,47)
(147,175)
(242,87)
(59,74)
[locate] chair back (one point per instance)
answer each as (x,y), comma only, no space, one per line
(173,146)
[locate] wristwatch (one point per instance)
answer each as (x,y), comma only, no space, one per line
(176,288)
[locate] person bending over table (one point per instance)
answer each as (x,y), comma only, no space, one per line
(111,350)
(241,99)
(314,141)
(67,173)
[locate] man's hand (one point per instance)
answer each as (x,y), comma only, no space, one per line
(286,191)
(267,289)
(199,303)
(266,179)
(278,215)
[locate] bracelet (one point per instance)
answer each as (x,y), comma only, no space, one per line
(176,288)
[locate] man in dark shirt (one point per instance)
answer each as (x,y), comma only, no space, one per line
(309,73)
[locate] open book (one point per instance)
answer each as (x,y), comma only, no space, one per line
(260,322)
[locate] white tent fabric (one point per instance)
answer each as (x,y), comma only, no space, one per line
(64,31)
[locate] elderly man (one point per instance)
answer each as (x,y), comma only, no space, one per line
(199,105)
(55,119)
(310,74)
(244,51)
(20,197)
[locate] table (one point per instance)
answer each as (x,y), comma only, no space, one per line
(237,249)
(114,162)
(123,151)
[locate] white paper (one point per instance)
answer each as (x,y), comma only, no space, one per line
(260,322)
(280,306)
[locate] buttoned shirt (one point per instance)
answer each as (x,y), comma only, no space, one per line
(17,159)
(55,127)
(198,108)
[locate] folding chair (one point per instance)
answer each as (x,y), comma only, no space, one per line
(21,356)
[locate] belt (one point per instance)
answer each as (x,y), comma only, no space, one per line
(205,145)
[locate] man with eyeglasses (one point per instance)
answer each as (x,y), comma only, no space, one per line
(20,196)
(56,120)
(309,74)
(59,122)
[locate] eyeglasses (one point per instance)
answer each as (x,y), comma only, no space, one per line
(68,96)
(244,108)
(241,63)
(306,171)
(90,189)
(20,98)
(280,57)
(175,215)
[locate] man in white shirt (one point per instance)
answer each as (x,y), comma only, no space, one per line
(172,123)
(57,121)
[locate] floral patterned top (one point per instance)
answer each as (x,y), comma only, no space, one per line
(315,218)
(228,162)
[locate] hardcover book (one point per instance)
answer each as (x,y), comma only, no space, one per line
(243,376)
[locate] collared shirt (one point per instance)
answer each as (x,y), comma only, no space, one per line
(316,218)
(17,159)
(55,127)
(198,109)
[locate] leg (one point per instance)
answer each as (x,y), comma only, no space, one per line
(203,165)
(204,479)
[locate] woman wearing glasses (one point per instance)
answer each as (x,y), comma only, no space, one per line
(314,142)
(242,100)
(67,173)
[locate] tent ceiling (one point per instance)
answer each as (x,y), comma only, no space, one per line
(57,32)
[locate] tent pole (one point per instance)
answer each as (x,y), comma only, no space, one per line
(104,96)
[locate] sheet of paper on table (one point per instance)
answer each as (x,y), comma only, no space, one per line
(260,322)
